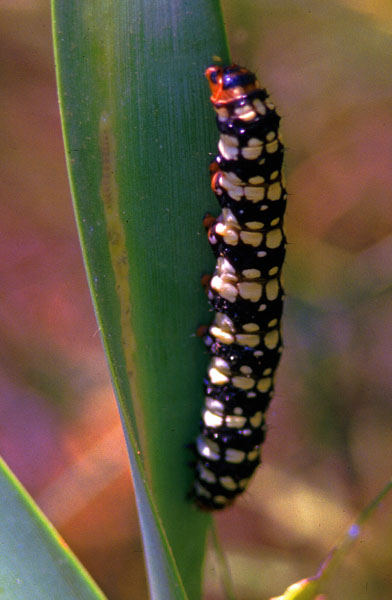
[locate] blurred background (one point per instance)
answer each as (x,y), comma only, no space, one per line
(328,67)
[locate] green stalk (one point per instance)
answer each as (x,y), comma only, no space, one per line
(138,130)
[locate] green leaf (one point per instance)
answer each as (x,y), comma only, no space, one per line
(35,562)
(138,130)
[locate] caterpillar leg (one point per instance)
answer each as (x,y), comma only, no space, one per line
(208,221)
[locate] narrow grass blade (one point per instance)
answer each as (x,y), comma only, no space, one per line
(309,589)
(138,129)
(35,562)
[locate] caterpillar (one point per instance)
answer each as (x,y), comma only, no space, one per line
(245,290)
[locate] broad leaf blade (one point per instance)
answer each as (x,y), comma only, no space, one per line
(35,562)
(138,128)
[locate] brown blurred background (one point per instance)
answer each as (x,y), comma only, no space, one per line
(328,67)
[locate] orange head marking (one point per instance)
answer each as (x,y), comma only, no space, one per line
(229,83)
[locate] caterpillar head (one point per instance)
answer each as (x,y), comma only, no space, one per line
(230,83)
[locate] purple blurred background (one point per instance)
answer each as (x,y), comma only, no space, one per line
(329,449)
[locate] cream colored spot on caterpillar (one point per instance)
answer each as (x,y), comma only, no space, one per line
(254,225)
(272,147)
(220,228)
(274,191)
(228,483)
(235,422)
(270,136)
(235,192)
(263,385)
(254,194)
(234,456)
(229,140)
(220,500)
(262,307)
(225,181)
(226,290)
(267,371)
(221,364)
(272,289)
(246,370)
(250,291)
(274,238)
(250,327)
(247,340)
(252,238)
(205,474)
(243,383)
(271,340)
(257,180)
(252,151)
(238,410)
(224,266)
(258,353)
(222,328)
(228,228)
(274,222)
(270,105)
(223,336)
(228,147)
(229,222)
(274,175)
(251,395)
(259,106)
(207,448)
(214,405)
(273,271)
(228,217)
(256,420)
(233,178)
(261,253)
(243,483)
(245,113)
(228,232)
(212,420)
(251,273)
(223,285)
(254,142)
(201,490)
(253,455)
(216,377)
(264,207)
(226,277)
(224,321)
(273,322)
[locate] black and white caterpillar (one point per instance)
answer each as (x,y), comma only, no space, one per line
(245,290)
